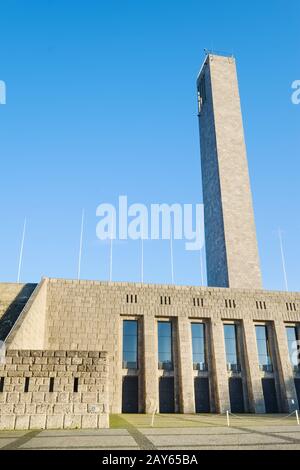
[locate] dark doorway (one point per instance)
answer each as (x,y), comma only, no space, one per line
(270,397)
(297,387)
(202,403)
(236,395)
(166,395)
(130,394)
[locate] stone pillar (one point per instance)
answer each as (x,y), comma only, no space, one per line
(150,364)
(220,375)
(256,397)
(285,370)
(186,377)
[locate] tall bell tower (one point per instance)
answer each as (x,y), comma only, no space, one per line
(230,235)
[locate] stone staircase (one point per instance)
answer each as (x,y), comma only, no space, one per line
(13,298)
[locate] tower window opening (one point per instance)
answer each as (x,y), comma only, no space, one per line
(75,388)
(51,384)
(26,387)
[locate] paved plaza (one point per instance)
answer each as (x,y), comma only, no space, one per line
(169,432)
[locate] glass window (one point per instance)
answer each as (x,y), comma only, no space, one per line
(292,338)
(263,347)
(198,345)
(165,357)
(130,344)
(231,347)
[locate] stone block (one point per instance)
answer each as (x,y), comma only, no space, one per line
(37,422)
(3,397)
(38,397)
(30,408)
(12,397)
(63,397)
(80,408)
(19,409)
(25,397)
(76,360)
(35,353)
(6,408)
(60,353)
(89,397)
(7,422)
(24,353)
(50,397)
(72,421)
(63,408)
(94,408)
(90,421)
(22,421)
(54,422)
(75,397)
(12,353)
(103,421)
(44,408)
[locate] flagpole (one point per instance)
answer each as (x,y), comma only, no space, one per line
(201,267)
(111,251)
(80,245)
(171,252)
(142,256)
(21,251)
(283,260)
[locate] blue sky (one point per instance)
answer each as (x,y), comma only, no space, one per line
(101,102)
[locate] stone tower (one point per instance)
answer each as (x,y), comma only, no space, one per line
(231,245)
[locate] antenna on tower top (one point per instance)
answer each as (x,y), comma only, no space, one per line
(216,52)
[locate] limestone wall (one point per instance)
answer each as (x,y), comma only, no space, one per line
(38,390)
(85,316)
(89,314)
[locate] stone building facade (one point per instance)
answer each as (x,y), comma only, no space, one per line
(83,316)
